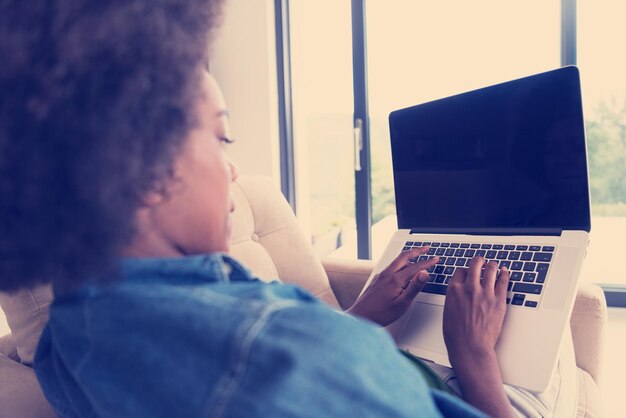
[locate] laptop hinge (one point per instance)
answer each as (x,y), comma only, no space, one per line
(489,231)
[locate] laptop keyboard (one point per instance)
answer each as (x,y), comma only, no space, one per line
(528,266)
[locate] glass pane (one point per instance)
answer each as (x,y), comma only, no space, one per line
(420,50)
(601,32)
(321,58)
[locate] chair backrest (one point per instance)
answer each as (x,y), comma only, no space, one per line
(269,241)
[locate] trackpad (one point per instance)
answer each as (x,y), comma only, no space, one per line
(423,332)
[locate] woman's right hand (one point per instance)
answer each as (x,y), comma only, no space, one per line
(472,321)
(474,309)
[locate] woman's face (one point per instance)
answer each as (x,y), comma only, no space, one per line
(195,215)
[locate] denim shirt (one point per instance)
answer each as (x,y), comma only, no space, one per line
(200,337)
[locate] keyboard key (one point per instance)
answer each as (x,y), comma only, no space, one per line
(529,266)
(485,246)
(480,253)
(438,289)
(440,278)
(423,258)
(475,246)
(514,255)
(459,253)
(529,277)
(526,256)
(432,277)
(516,276)
(440,251)
(431,251)
(435,244)
(409,243)
(449,252)
(535,289)
(542,267)
(470,253)
(535,248)
(517,265)
(450,261)
(406,249)
(442,260)
(465,245)
(522,248)
(509,247)
(505,263)
(460,262)
(491,254)
(454,245)
(445,244)
(468,261)
(430,269)
(518,299)
(425,244)
(498,247)
(449,271)
(508,300)
(531,304)
(548,248)
(439,269)
(447,279)
(541,276)
(542,257)
(502,255)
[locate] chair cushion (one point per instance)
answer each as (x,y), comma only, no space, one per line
(27,314)
(268,240)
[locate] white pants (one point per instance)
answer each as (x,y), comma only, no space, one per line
(559,400)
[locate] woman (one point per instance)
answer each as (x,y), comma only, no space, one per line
(116,188)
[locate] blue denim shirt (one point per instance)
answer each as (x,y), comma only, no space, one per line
(199,337)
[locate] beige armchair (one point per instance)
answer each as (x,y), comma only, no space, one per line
(267,239)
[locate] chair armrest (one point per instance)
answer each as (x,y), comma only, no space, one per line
(588,324)
(347,278)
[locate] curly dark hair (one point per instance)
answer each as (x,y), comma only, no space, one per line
(96,98)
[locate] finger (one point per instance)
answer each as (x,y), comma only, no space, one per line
(489,275)
(422,265)
(459,276)
(502,285)
(415,285)
(475,270)
(403,258)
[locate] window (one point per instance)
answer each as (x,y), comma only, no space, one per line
(321,68)
(423,50)
(603,75)
(419,50)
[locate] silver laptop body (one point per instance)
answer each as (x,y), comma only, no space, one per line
(531,207)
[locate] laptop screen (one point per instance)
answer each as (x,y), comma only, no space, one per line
(511,155)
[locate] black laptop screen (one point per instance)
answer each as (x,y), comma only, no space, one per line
(507,156)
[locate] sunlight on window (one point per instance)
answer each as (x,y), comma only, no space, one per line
(321,58)
(424,50)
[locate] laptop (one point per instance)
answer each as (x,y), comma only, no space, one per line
(499,172)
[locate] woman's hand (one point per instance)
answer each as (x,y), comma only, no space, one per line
(391,292)
(472,321)
(474,309)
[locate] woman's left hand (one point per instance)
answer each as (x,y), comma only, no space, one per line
(392,290)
